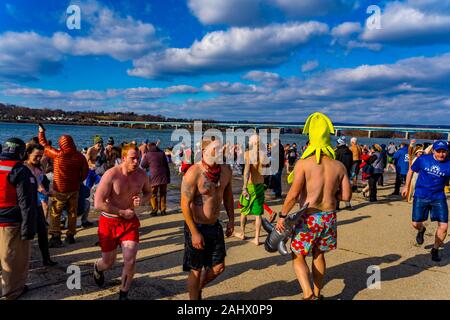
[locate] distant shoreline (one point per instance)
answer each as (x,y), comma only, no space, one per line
(355,133)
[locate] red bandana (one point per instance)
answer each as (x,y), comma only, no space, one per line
(212,173)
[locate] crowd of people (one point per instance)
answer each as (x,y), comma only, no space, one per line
(43,188)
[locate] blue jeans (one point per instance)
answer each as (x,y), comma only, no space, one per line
(437,209)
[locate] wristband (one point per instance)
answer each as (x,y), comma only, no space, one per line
(281,216)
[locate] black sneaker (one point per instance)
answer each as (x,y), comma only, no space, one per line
(55,242)
(435,255)
(99,276)
(70,239)
(49,262)
(419,237)
(87,224)
(123,295)
(154,213)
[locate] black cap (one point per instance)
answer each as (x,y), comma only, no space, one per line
(14,146)
(111,141)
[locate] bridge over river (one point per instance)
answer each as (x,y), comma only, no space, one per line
(247,125)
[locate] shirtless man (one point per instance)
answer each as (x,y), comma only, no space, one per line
(253,188)
(321,185)
(92,155)
(205,186)
(117,196)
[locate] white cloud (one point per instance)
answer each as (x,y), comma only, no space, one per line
(254,12)
(235,49)
(122,38)
(310,8)
(35,92)
(230,12)
(268,79)
(139,93)
(310,65)
(346,29)
(24,56)
(232,88)
(412,23)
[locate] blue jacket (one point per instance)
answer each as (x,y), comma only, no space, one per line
(401,160)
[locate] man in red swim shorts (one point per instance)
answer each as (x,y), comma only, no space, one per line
(116,197)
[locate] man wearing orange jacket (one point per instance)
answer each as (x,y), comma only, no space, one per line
(70,170)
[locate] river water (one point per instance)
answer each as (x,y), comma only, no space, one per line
(83,135)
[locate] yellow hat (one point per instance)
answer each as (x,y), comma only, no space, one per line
(319,127)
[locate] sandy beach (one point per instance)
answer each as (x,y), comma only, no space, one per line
(377,234)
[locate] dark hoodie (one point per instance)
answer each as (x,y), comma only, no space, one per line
(155,159)
(26,210)
(70,166)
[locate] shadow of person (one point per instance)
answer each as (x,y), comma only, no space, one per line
(352,220)
(355,273)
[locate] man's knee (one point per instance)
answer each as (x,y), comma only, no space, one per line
(443,227)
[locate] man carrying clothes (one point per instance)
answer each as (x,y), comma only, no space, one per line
(155,159)
(93,154)
(18,218)
(70,170)
(253,190)
(429,195)
(320,181)
(206,185)
(116,197)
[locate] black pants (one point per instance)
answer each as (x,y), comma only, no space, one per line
(373,185)
(399,179)
(381,180)
(276,182)
(42,233)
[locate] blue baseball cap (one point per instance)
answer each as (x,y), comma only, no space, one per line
(440,145)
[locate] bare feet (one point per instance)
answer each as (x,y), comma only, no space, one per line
(256,242)
(239,235)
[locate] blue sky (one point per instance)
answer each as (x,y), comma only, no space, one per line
(261,60)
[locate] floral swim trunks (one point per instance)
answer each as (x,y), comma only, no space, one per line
(315,230)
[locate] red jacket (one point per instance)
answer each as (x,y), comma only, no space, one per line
(8,194)
(70,166)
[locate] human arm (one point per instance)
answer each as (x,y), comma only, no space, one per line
(144,162)
(293,194)
(147,193)
(50,152)
(345,188)
(407,183)
(188,190)
(84,168)
(229,207)
(246,174)
(26,189)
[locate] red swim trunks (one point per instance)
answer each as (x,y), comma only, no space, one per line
(113,231)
